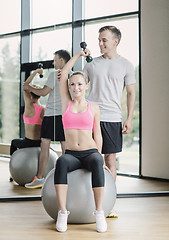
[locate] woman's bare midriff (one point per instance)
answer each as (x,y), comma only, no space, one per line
(32,131)
(79,140)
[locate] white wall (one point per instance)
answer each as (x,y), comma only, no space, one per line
(155,87)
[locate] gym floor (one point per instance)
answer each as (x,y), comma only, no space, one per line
(141,218)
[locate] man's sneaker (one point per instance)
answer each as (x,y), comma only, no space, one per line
(112,214)
(36,183)
(61,224)
(101,225)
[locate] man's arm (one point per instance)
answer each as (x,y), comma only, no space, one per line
(127,126)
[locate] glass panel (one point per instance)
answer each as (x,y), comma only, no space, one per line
(128,48)
(128,159)
(51,12)
(9,88)
(10,16)
(46,43)
(95,8)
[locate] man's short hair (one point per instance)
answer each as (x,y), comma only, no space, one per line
(63,54)
(113,29)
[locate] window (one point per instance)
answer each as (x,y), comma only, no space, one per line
(95,8)
(10,24)
(9,88)
(128,46)
(44,44)
(51,12)
(10,16)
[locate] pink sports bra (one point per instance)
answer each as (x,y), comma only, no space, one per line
(82,121)
(36,119)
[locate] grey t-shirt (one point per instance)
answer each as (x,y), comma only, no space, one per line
(108,77)
(53,105)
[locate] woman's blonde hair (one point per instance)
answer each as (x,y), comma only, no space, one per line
(82,74)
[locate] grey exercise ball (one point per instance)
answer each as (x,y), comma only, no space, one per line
(80,198)
(23,164)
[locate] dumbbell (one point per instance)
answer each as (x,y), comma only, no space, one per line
(40,65)
(88,58)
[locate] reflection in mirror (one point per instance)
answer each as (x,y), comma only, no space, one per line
(12,189)
(7,188)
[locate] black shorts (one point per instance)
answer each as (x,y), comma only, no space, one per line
(52,128)
(112,137)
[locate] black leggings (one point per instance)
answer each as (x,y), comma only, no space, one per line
(89,159)
(23,143)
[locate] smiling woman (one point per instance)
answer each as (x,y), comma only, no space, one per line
(83,142)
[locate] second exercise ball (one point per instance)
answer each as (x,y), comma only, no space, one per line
(80,198)
(23,164)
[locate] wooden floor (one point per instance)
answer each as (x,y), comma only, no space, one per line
(138,218)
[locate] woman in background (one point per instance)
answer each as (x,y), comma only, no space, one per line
(33,116)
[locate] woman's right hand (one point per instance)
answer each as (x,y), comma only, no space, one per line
(39,71)
(85,52)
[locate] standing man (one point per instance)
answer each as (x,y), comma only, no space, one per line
(108,75)
(52,128)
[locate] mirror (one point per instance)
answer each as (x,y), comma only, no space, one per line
(126,163)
